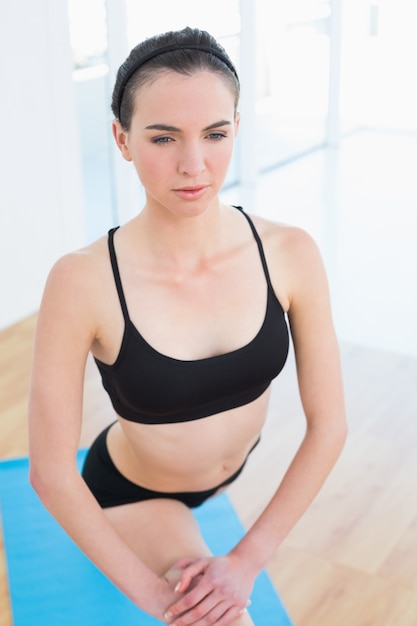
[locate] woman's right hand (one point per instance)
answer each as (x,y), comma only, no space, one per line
(163,595)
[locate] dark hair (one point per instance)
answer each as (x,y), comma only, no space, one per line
(185,51)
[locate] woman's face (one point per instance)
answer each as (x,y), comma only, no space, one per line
(181,140)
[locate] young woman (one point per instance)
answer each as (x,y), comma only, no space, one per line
(184,309)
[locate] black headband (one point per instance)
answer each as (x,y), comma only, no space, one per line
(169,48)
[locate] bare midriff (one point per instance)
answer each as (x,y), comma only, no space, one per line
(187,456)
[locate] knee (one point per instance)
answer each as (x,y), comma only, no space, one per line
(173,576)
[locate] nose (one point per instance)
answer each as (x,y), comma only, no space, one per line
(191,160)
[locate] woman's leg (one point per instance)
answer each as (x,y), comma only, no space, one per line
(161,531)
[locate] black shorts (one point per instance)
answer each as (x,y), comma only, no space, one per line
(111,488)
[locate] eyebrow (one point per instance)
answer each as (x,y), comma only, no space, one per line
(174,129)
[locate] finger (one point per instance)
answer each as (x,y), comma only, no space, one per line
(183,562)
(191,571)
(230,615)
(189,601)
(204,613)
(223,618)
(220,615)
(174,575)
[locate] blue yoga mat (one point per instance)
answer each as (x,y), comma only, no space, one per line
(52,583)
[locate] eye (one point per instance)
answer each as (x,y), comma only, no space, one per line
(162,140)
(216,136)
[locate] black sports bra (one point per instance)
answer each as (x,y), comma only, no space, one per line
(151,388)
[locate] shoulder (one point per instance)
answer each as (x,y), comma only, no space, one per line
(74,281)
(284,238)
(79,267)
(293,258)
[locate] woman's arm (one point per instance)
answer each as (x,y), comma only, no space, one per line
(65,333)
(321,390)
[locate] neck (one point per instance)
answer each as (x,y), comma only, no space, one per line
(183,241)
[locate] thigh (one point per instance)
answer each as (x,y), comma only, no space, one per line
(160,531)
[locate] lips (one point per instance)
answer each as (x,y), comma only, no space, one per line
(191,192)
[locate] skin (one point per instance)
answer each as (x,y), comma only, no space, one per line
(183,247)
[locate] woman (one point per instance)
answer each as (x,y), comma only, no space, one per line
(183,308)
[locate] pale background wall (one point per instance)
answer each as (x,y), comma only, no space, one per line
(41,204)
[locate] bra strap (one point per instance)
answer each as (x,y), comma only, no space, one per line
(260,246)
(116,273)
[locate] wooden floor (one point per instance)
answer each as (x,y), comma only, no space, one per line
(352,559)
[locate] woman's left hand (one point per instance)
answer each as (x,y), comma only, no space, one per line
(220,595)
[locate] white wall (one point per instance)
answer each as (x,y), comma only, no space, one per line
(40,178)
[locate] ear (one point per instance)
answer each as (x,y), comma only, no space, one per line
(121,137)
(237,122)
